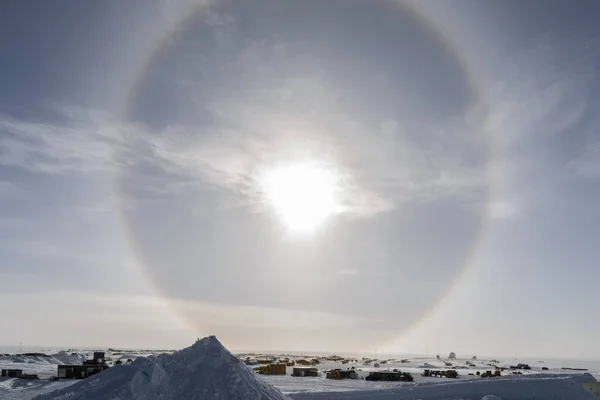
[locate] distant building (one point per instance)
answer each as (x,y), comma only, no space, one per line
(80,371)
(389,376)
(342,374)
(452,356)
(88,368)
(12,373)
(272,369)
(305,371)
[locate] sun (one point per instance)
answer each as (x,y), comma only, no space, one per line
(303,195)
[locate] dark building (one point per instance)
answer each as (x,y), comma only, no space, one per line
(389,376)
(88,368)
(305,371)
(80,371)
(12,373)
(342,374)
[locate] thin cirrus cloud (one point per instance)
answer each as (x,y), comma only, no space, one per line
(379,170)
(383,165)
(587,162)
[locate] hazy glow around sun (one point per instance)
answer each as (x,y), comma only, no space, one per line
(304,195)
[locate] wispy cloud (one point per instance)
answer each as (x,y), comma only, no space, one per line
(382,163)
(587,163)
(81,141)
(534,105)
(381,166)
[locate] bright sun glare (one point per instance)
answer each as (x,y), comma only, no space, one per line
(303,195)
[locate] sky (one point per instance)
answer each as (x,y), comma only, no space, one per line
(340,176)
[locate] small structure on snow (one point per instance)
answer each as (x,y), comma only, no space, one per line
(489,374)
(440,374)
(452,356)
(520,366)
(84,370)
(342,374)
(389,376)
(305,371)
(272,369)
(80,371)
(12,373)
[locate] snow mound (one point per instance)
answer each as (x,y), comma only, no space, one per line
(62,357)
(205,370)
(490,397)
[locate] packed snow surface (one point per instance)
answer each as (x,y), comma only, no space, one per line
(206,370)
(549,387)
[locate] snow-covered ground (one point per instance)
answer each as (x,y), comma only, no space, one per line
(508,388)
(173,376)
(289,384)
(18,389)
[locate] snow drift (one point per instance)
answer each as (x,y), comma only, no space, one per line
(205,370)
(62,357)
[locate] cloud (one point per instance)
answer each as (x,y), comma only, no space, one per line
(379,168)
(587,162)
(377,171)
(382,163)
(534,104)
(539,108)
(78,143)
